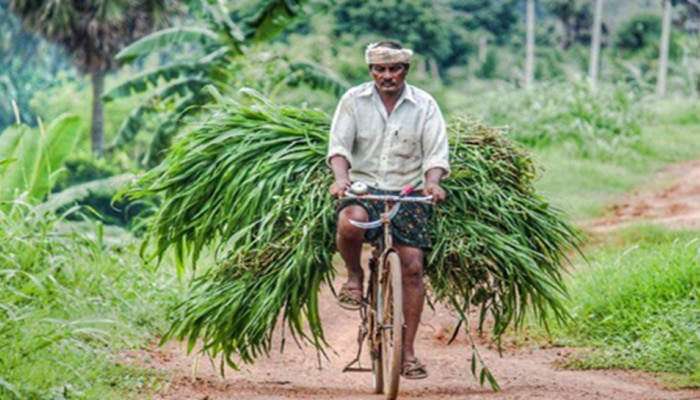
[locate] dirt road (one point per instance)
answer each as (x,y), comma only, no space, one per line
(524,372)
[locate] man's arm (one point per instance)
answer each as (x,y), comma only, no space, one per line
(340,167)
(342,137)
(435,153)
(432,184)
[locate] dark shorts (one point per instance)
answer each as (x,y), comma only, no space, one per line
(410,227)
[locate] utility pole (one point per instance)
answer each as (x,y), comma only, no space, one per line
(530,45)
(663,57)
(594,65)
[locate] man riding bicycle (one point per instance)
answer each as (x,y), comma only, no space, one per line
(388,135)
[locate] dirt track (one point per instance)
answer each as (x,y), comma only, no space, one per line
(523,373)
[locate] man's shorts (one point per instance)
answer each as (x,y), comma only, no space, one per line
(410,227)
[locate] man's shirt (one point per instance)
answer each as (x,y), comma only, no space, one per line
(393,151)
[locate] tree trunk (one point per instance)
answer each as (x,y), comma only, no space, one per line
(595,45)
(663,57)
(530,45)
(97,129)
(422,67)
(434,70)
(483,48)
(568,38)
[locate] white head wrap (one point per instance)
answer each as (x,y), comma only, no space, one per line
(386,55)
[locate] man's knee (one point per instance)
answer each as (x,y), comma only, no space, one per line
(412,264)
(345,228)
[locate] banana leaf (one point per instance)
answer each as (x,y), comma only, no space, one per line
(38,154)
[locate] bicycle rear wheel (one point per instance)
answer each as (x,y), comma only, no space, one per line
(390,313)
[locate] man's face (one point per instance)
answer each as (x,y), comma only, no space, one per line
(389,78)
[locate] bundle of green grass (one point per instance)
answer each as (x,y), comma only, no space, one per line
(251,183)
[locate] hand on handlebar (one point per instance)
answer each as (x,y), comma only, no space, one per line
(433,189)
(339,188)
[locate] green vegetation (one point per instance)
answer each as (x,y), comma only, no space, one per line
(32,156)
(71,298)
(499,247)
(636,305)
(570,114)
(92,32)
(74,293)
(584,186)
(222,59)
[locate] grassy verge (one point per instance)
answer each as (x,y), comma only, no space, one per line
(636,305)
(583,187)
(69,303)
(634,302)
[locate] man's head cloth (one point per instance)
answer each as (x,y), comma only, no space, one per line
(376,53)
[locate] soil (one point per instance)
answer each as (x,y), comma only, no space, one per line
(524,370)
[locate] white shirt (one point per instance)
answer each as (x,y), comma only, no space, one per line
(393,151)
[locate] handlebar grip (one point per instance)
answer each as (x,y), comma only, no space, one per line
(406,191)
(410,189)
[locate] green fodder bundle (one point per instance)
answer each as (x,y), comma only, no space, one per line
(498,245)
(251,183)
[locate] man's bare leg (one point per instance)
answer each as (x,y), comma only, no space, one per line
(413,295)
(349,239)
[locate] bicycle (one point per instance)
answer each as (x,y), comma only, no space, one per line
(382,305)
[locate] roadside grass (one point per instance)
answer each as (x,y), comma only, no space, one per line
(69,304)
(583,187)
(635,299)
(591,147)
(635,305)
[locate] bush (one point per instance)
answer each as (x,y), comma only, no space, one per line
(638,32)
(83,168)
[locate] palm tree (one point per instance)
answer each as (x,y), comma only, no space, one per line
(92,32)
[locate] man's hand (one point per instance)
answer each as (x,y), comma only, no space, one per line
(432,184)
(342,183)
(338,188)
(435,190)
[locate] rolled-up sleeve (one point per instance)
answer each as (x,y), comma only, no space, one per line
(434,141)
(343,131)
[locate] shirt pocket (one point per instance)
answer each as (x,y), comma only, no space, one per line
(406,144)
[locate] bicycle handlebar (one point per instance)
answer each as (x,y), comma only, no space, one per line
(397,199)
(389,197)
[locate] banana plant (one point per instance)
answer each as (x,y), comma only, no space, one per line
(29,158)
(218,52)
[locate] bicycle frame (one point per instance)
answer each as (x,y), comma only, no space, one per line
(370,328)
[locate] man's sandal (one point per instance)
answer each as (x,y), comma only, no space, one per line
(350,297)
(414,369)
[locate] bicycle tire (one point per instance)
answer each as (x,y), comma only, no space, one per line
(374,337)
(391,318)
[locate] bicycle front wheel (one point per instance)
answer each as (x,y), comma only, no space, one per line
(391,318)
